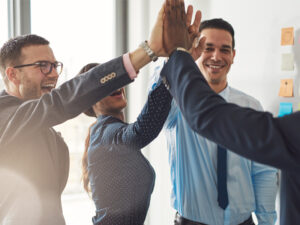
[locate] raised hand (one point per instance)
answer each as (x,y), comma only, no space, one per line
(156,36)
(197,48)
(175,30)
(193,29)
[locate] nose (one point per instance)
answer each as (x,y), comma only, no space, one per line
(216,55)
(53,74)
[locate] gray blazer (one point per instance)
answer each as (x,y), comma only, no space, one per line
(34,160)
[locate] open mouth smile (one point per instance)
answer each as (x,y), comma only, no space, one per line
(48,87)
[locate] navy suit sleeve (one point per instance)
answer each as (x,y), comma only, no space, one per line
(252,134)
(70,99)
(147,126)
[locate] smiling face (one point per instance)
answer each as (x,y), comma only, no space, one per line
(217,57)
(32,83)
(112,104)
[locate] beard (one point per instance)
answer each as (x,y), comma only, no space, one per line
(29,90)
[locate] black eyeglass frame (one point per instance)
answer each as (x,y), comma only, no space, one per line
(40,64)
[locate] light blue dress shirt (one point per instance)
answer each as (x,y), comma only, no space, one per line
(251,186)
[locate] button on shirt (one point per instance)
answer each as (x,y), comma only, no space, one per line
(193,161)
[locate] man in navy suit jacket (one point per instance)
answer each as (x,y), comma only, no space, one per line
(255,135)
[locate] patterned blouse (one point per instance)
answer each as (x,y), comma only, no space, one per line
(121,178)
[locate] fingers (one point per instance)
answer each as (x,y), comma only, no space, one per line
(168,2)
(189,15)
(166,24)
(191,29)
(174,12)
(175,29)
(156,37)
(161,13)
(182,11)
(197,20)
(168,8)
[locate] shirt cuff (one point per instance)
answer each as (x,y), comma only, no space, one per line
(129,67)
(182,49)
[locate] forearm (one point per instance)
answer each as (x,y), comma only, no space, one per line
(266,218)
(264,181)
(153,115)
(65,102)
(148,124)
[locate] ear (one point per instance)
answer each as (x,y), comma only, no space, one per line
(11,74)
(96,109)
(233,53)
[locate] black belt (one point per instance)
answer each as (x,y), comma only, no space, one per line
(179,220)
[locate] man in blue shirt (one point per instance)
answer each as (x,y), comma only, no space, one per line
(251,187)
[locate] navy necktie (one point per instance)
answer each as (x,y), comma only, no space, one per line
(222,177)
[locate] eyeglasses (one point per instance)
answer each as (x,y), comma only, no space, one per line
(45,66)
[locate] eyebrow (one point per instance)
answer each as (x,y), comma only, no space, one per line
(226,46)
(223,46)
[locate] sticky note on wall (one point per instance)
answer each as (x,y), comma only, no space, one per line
(286,88)
(287,62)
(285,108)
(287,36)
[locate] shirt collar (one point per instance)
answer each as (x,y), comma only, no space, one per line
(225,92)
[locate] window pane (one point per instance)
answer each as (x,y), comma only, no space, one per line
(79,32)
(3,28)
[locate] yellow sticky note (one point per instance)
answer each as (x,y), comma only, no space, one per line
(286,88)
(287,62)
(287,36)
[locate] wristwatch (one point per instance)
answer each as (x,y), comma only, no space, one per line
(148,50)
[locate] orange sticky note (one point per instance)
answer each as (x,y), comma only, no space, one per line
(287,36)
(286,88)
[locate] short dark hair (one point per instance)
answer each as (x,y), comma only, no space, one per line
(90,112)
(10,52)
(218,23)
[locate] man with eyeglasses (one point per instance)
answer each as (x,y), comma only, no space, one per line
(34,159)
(46,85)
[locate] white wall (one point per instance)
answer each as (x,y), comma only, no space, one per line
(141,14)
(257,67)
